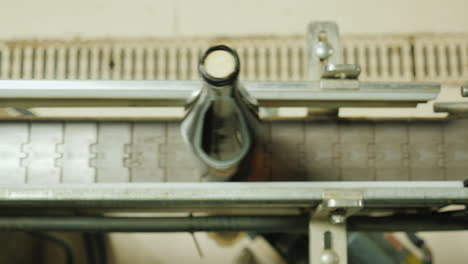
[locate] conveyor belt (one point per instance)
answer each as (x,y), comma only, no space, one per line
(88,152)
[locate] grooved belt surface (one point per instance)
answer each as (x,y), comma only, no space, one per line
(90,152)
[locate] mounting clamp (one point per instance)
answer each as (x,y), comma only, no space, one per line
(327,226)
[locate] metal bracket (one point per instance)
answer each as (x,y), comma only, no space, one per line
(327,227)
(341,71)
(325,60)
(454,109)
(323,47)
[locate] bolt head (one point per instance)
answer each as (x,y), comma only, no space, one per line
(323,49)
(329,257)
(338,218)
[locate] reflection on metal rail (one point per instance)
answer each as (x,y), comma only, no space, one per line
(202,196)
(38,93)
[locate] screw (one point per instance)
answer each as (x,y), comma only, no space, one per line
(323,49)
(338,216)
(329,257)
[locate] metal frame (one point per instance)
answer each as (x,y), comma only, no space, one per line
(328,204)
(39,93)
(328,225)
(202,196)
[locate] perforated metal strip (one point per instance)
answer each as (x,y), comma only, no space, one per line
(386,58)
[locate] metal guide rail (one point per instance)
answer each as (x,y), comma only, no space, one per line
(301,196)
(334,209)
(72,169)
(40,93)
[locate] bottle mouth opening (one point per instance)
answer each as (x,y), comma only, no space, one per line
(220,65)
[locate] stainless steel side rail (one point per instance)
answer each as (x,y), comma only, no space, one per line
(322,93)
(202,196)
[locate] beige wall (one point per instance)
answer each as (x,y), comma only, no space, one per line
(100,18)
